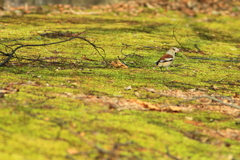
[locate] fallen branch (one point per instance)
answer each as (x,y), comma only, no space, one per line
(214,99)
(170,155)
(182,47)
(213,59)
(13,51)
(217,100)
(174,30)
(198,49)
(111,154)
(124,46)
(194,98)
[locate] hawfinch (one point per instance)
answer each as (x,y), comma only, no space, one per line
(167,59)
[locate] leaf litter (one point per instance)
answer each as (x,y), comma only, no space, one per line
(203,103)
(189,8)
(204,134)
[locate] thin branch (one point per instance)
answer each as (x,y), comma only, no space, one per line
(95,47)
(219,101)
(174,30)
(124,46)
(121,60)
(214,99)
(182,47)
(213,59)
(196,46)
(7,59)
(6,54)
(112,153)
(195,98)
(10,55)
(170,155)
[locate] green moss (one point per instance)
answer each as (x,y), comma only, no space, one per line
(43,119)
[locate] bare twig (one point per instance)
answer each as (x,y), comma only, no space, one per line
(6,54)
(102,152)
(170,155)
(124,46)
(214,99)
(213,59)
(195,98)
(121,60)
(196,46)
(182,47)
(174,30)
(219,101)
(13,51)
(95,47)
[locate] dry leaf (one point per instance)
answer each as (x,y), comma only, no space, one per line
(128,88)
(72,151)
(118,64)
(82,134)
(8,90)
(175,108)
(46,119)
(136,104)
(172,109)
(194,123)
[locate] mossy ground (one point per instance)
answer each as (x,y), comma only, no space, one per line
(38,122)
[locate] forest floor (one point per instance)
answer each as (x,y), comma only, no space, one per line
(73,101)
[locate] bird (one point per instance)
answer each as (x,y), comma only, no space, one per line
(168,58)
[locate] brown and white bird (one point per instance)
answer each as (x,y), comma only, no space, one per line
(168,58)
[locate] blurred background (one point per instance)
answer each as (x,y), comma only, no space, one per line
(187,7)
(15,3)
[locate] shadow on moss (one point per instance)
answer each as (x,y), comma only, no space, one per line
(215,35)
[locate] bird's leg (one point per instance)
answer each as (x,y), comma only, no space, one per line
(168,69)
(161,68)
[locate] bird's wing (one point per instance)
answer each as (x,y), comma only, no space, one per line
(165,58)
